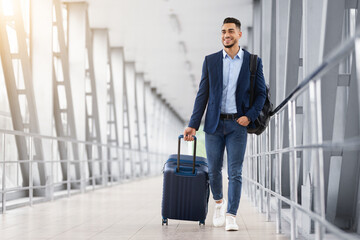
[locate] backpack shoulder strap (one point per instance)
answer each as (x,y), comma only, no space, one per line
(253,67)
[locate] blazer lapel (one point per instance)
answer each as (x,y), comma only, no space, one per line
(219,66)
(244,68)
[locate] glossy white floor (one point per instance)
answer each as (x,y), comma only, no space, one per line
(126,211)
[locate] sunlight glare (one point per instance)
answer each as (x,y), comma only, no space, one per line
(7,7)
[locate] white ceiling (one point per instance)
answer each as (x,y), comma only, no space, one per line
(149,37)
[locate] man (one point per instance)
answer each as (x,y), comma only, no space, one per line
(225,89)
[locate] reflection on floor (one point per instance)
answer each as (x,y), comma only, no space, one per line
(127,211)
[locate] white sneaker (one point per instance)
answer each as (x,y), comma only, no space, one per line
(219,214)
(231,224)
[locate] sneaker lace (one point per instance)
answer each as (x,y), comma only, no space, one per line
(231,220)
(217,211)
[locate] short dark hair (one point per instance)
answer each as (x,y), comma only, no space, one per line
(233,20)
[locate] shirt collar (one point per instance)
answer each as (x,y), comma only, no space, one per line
(239,54)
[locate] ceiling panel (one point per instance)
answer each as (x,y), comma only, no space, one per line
(150,37)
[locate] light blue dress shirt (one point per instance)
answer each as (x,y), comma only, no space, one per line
(231,71)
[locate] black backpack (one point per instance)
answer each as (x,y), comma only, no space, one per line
(263,119)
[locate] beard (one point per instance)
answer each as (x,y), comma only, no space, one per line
(229,46)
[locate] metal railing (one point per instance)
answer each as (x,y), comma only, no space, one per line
(112,171)
(258,174)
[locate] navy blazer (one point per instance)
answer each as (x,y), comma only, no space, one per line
(210,92)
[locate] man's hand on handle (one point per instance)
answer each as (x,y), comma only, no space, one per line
(189,132)
(243,121)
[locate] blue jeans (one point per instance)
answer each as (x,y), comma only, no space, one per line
(233,136)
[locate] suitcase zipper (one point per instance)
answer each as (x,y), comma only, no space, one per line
(186,161)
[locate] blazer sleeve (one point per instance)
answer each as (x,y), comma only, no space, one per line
(201,100)
(259,93)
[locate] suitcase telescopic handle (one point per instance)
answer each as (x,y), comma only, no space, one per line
(178,156)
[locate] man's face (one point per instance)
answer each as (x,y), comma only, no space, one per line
(230,35)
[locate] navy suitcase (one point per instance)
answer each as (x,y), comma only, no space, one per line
(185,187)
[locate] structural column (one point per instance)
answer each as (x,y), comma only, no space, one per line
(100,51)
(77,14)
(266,11)
(130,84)
(117,59)
(41,66)
(141,109)
(256,33)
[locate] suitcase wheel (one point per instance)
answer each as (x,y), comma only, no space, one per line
(202,222)
(164,221)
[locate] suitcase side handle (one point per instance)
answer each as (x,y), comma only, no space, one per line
(178,156)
